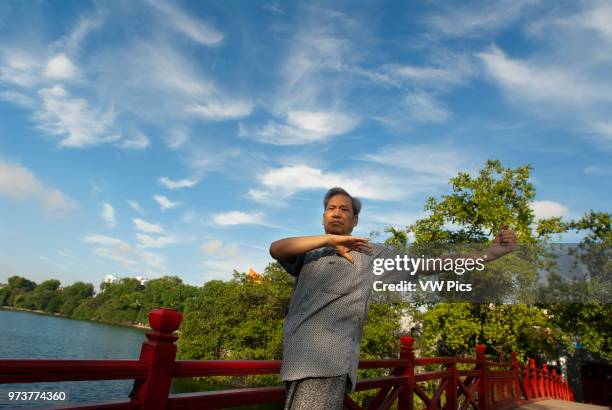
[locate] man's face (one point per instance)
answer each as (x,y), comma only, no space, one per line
(338,217)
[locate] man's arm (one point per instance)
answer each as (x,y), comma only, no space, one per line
(504,243)
(289,248)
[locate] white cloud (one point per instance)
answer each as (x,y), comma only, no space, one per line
(165,203)
(237,218)
(132,258)
(172,184)
(194,29)
(213,246)
(72,120)
(18,182)
(426,75)
(537,83)
(280,183)
(19,68)
(422,107)
(221,111)
(472,20)
(177,137)
(303,127)
(96,239)
(59,67)
(135,206)
(147,227)
(148,241)
(137,141)
(548,209)
(17,98)
(600,171)
(220,259)
(108,215)
(441,161)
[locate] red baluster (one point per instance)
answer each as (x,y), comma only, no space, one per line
(405,400)
(516,379)
(451,387)
(483,385)
(545,379)
(533,378)
(555,394)
(158,352)
(526,383)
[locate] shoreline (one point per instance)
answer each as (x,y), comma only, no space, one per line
(42,312)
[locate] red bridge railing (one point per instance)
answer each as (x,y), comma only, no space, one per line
(462,382)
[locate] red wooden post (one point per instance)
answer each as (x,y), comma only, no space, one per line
(483,385)
(451,387)
(526,383)
(405,399)
(516,383)
(556,394)
(546,380)
(533,378)
(158,352)
(541,382)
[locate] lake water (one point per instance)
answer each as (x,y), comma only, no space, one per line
(25,335)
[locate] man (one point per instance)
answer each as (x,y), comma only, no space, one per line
(324,325)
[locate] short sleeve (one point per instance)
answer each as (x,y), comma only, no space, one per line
(293,266)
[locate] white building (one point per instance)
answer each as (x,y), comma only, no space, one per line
(111,279)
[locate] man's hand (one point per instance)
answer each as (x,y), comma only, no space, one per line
(346,243)
(504,242)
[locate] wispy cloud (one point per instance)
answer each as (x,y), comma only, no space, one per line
(97,239)
(177,184)
(177,137)
(281,183)
(191,27)
(165,203)
(442,160)
(473,19)
(238,218)
(137,141)
(537,83)
(72,120)
(19,183)
(303,127)
(132,258)
(135,206)
(221,258)
(148,241)
(108,215)
(599,170)
(221,111)
(146,227)
(19,68)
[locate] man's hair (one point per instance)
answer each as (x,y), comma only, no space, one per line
(355,202)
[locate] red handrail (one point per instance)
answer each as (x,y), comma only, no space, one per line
(487,385)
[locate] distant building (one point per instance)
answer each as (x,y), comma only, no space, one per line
(114,279)
(111,279)
(143,281)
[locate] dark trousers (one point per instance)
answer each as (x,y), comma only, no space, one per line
(316,393)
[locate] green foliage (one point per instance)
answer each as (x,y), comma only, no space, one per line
(476,209)
(479,207)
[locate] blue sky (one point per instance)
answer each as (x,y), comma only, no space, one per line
(182,138)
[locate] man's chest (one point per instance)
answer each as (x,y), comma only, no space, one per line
(326,271)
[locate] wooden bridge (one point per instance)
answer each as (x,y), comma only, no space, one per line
(461,383)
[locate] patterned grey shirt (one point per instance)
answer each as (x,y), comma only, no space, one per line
(329,306)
